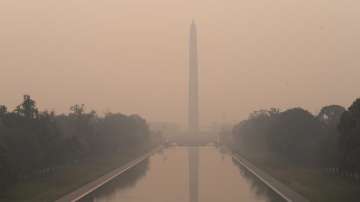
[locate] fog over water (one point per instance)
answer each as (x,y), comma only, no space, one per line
(131,56)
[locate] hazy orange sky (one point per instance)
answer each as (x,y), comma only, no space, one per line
(131,56)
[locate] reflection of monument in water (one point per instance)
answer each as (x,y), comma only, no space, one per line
(193,119)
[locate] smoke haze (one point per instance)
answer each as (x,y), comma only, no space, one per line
(132,56)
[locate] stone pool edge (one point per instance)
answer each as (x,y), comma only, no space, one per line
(94,185)
(278,187)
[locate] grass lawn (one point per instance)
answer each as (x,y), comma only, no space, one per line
(66,179)
(312,183)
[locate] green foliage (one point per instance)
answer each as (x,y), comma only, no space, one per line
(27,108)
(331,115)
(295,135)
(349,128)
(3,110)
(32,142)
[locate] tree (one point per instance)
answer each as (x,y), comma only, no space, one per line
(252,134)
(81,127)
(33,140)
(349,141)
(294,134)
(3,110)
(330,115)
(5,171)
(77,110)
(27,108)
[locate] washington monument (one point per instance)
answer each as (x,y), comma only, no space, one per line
(193,113)
(193,119)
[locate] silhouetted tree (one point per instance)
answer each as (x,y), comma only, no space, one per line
(349,140)
(27,108)
(252,134)
(5,170)
(77,110)
(3,110)
(294,134)
(32,141)
(330,115)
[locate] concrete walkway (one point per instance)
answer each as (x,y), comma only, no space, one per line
(92,186)
(281,189)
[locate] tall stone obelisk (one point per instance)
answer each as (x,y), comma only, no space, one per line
(193,113)
(193,121)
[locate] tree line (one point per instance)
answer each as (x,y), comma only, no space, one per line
(329,139)
(33,140)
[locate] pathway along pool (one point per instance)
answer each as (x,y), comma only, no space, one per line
(164,177)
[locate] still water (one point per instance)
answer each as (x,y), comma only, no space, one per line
(164,177)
